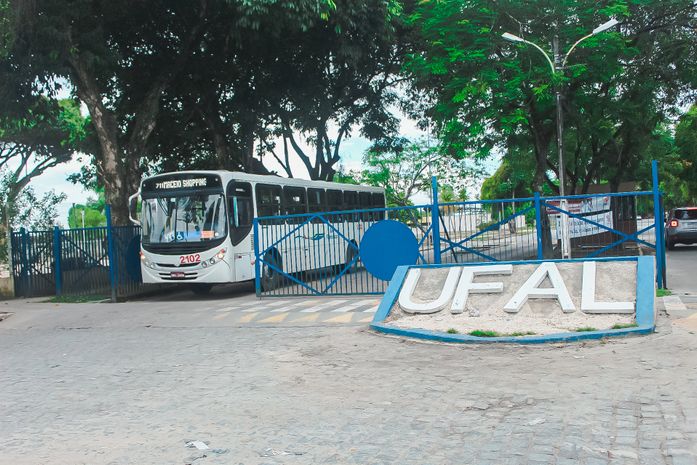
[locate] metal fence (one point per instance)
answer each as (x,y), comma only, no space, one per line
(100,261)
(319,253)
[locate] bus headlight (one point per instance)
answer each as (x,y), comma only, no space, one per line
(214,259)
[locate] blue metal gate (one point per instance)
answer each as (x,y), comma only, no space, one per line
(320,253)
(100,261)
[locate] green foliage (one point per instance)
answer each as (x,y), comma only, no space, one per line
(94,213)
(33,140)
(5,27)
(485,224)
(346,177)
(28,209)
(585,329)
(686,145)
(522,333)
(512,179)
(403,168)
(663,292)
(484,333)
(452,331)
(619,86)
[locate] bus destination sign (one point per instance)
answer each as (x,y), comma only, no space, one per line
(179,183)
(188,181)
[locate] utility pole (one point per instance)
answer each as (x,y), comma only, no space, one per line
(559,64)
(565,240)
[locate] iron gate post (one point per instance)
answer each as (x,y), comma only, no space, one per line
(257,266)
(435,221)
(57,256)
(23,260)
(538,225)
(658,226)
(663,248)
(111,254)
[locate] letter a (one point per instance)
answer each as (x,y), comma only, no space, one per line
(530,289)
(406,302)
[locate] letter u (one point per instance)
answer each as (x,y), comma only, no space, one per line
(406,302)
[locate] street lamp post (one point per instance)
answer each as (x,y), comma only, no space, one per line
(559,64)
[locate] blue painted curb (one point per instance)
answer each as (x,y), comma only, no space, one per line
(645,314)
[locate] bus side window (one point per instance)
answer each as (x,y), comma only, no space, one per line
(240,210)
(351,203)
(335,203)
(316,202)
(268,200)
(365,204)
(378,201)
(294,203)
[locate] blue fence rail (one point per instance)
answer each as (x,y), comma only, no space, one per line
(99,261)
(320,253)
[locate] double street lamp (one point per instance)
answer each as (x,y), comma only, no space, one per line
(559,64)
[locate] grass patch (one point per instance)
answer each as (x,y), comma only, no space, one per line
(624,325)
(77,299)
(585,329)
(663,292)
(484,333)
(525,333)
(452,331)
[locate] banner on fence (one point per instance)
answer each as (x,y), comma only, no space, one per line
(596,209)
(581,228)
(581,206)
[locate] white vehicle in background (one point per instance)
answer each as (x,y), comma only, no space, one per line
(197,226)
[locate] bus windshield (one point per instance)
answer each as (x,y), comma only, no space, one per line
(186,218)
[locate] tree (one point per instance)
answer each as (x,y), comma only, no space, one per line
(121,57)
(293,79)
(94,213)
(42,138)
(333,78)
(403,168)
(686,144)
(221,104)
(34,212)
(482,92)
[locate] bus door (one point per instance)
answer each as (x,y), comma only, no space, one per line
(241,213)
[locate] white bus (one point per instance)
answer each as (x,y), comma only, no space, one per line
(197,225)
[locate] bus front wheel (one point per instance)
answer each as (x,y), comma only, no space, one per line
(351,253)
(270,276)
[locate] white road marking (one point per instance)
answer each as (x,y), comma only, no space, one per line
(316,308)
(348,308)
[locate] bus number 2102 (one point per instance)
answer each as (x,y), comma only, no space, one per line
(193,258)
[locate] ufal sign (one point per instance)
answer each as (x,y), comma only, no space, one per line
(460,283)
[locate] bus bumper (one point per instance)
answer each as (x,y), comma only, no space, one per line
(220,272)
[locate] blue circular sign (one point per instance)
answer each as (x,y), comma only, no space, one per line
(386,245)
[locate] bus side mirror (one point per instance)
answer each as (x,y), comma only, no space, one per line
(132,208)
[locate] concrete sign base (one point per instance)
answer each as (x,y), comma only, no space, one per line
(523,302)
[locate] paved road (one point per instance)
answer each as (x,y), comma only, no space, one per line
(133,383)
(681,266)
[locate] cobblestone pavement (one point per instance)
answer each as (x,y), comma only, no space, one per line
(133,383)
